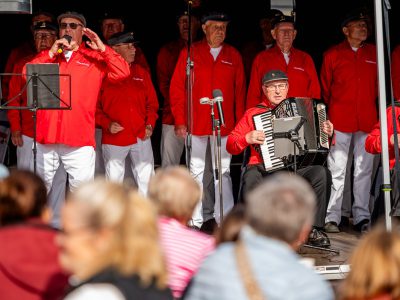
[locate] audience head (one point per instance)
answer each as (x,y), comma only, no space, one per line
(23,196)
(106,225)
(282,207)
(231,225)
(214,27)
(284,32)
(175,193)
(72,23)
(375,266)
(111,24)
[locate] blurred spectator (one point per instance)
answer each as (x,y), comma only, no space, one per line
(263,262)
(28,255)
(375,267)
(176,194)
(110,244)
(231,225)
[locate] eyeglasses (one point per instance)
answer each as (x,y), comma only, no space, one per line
(126,45)
(71,25)
(274,87)
(43,36)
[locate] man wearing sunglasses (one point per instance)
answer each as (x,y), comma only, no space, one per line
(67,136)
(275,86)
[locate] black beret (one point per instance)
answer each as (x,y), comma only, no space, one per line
(354,16)
(274,75)
(282,19)
(45,26)
(74,15)
(121,38)
(215,16)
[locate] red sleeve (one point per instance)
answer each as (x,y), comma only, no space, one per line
(314,90)
(254,94)
(117,67)
(326,78)
(163,76)
(15,87)
(151,101)
(373,140)
(177,92)
(396,72)
(240,90)
(236,142)
(102,120)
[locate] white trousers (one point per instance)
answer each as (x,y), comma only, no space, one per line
(142,166)
(171,146)
(363,165)
(56,194)
(78,163)
(197,165)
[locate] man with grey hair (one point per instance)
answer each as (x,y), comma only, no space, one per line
(279,217)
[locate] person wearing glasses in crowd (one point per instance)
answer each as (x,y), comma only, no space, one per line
(67,136)
(217,65)
(349,87)
(297,64)
(127,113)
(21,121)
(275,86)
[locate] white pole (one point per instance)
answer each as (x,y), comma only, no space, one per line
(382,110)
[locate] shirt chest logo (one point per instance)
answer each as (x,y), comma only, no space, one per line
(226,62)
(137,79)
(82,63)
(298,68)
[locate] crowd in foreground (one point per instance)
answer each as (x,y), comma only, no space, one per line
(116,244)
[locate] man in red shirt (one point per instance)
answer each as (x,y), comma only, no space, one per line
(127,113)
(67,136)
(349,87)
(217,65)
(275,88)
(297,64)
(171,145)
(396,72)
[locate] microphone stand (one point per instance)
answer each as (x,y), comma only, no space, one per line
(189,96)
(216,132)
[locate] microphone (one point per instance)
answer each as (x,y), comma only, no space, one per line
(217,94)
(68,38)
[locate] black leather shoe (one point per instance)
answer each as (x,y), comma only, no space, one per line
(318,238)
(363,226)
(209,226)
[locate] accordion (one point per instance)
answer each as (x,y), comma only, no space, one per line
(315,142)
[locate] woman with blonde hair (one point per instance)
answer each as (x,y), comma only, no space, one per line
(110,244)
(375,267)
(176,194)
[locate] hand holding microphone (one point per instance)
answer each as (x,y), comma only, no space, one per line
(61,47)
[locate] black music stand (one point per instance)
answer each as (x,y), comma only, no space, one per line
(291,130)
(43,93)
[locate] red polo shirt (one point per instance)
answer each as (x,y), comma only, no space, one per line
(87,68)
(303,78)
(132,103)
(225,73)
(349,87)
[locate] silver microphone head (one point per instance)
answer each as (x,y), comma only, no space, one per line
(217,95)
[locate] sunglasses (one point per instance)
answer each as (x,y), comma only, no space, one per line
(71,25)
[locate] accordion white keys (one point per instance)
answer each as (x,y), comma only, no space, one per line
(316,142)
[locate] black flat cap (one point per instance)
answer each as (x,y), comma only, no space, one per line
(354,16)
(112,15)
(274,75)
(45,26)
(72,14)
(282,19)
(121,38)
(215,16)
(271,14)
